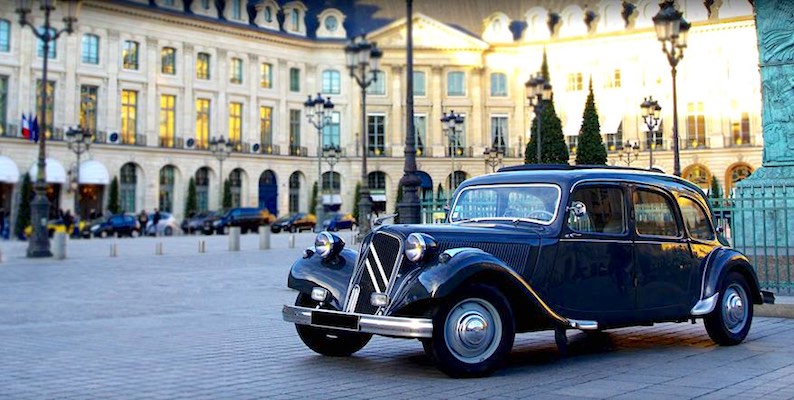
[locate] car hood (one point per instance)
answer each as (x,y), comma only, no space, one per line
(517,247)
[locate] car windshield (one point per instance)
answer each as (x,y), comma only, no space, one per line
(536,203)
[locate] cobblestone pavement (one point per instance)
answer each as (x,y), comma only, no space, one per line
(208,326)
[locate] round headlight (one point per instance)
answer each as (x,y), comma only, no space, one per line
(327,244)
(416,246)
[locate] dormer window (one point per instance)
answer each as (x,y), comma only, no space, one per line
(265,17)
(268,14)
(295,20)
(237,9)
(294,14)
(331,23)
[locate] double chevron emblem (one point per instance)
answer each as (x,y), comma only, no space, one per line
(376,272)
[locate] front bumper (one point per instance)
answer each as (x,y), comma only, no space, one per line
(376,324)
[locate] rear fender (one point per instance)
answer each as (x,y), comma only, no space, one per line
(333,275)
(719,263)
(444,278)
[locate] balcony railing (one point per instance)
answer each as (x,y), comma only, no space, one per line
(298,151)
(269,148)
(379,151)
(695,143)
(739,141)
(460,152)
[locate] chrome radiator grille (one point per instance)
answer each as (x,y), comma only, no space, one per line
(375,272)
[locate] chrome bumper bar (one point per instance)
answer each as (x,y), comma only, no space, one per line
(376,324)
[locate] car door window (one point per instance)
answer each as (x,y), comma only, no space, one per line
(653,214)
(695,219)
(603,212)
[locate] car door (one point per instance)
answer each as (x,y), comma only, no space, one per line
(662,255)
(702,238)
(116,224)
(594,269)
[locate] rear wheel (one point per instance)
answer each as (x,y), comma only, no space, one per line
(473,332)
(103,234)
(168,231)
(729,323)
(329,342)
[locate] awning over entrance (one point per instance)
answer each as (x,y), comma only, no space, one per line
(331,199)
(378,197)
(612,123)
(9,173)
(92,172)
(55,172)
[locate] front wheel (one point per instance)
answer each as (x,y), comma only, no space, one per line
(473,332)
(730,321)
(329,342)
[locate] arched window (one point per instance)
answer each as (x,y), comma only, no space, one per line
(203,189)
(236,186)
(295,18)
(128,182)
(699,175)
(294,192)
(456,178)
(736,174)
(167,181)
(268,14)
(377,180)
(331,81)
(332,182)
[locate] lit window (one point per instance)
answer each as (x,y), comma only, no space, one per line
(202,123)
(695,126)
(167,120)
(266,127)
(129,116)
(130,55)
(574,82)
(203,66)
(236,73)
(266,71)
(235,123)
(168,59)
(88,107)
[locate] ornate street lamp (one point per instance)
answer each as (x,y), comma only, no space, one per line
(672,31)
(363,62)
(39,244)
(452,124)
(629,153)
(78,141)
(493,158)
(409,208)
(221,150)
(318,112)
(538,92)
(651,113)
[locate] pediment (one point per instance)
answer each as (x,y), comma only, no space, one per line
(428,34)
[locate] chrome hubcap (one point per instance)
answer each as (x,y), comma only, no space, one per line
(734,311)
(473,330)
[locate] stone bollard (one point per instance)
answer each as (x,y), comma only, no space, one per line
(158,249)
(234,238)
(291,240)
(202,246)
(114,250)
(59,246)
(1,256)
(264,237)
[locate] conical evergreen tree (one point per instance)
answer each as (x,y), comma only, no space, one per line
(716,190)
(23,209)
(544,68)
(113,198)
(313,199)
(356,199)
(554,150)
(191,203)
(227,194)
(591,150)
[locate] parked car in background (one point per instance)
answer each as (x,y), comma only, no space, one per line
(529,248)
(249,219)
(196,223)
(297,222)
(167,226)
(56,225)
(338,222)
(117,225)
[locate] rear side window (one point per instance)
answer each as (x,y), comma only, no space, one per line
(653,214)
(695,219)
(604,211)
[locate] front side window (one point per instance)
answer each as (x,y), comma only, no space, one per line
(129,116)
(168,60)
(604,211)
(266,72)
(376,132)
(5,36)
(167,120)
(203,66)
(294,80)
(88,107)
(498,84)
(695,219)
(129,54)
(90,49)
(653,214)
(456,85)
(536,203)
(202,123)
(331,82)
(378,86)
(419,84)
(236,73)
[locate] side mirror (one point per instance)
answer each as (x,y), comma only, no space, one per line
(578,209)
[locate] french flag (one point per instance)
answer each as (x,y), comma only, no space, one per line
(25,127)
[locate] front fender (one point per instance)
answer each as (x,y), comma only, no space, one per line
(719,263)
(440,280)
(332,274)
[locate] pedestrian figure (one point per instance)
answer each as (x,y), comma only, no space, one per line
(93,215)
(143,218)
(68,220)
(3,223)
(155,220)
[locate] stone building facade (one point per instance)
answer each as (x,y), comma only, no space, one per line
(155,80)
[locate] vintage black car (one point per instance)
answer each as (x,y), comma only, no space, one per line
(528,249)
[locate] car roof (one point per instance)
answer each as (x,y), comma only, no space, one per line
(567,176)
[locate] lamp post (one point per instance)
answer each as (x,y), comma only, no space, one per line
(331,155)
(221,150)
(672,30)
(651,111)
(451,124)
(318,113)
(363,62)
(39,244)
(493,158)
(78,141)
(538,92)
(629,152)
